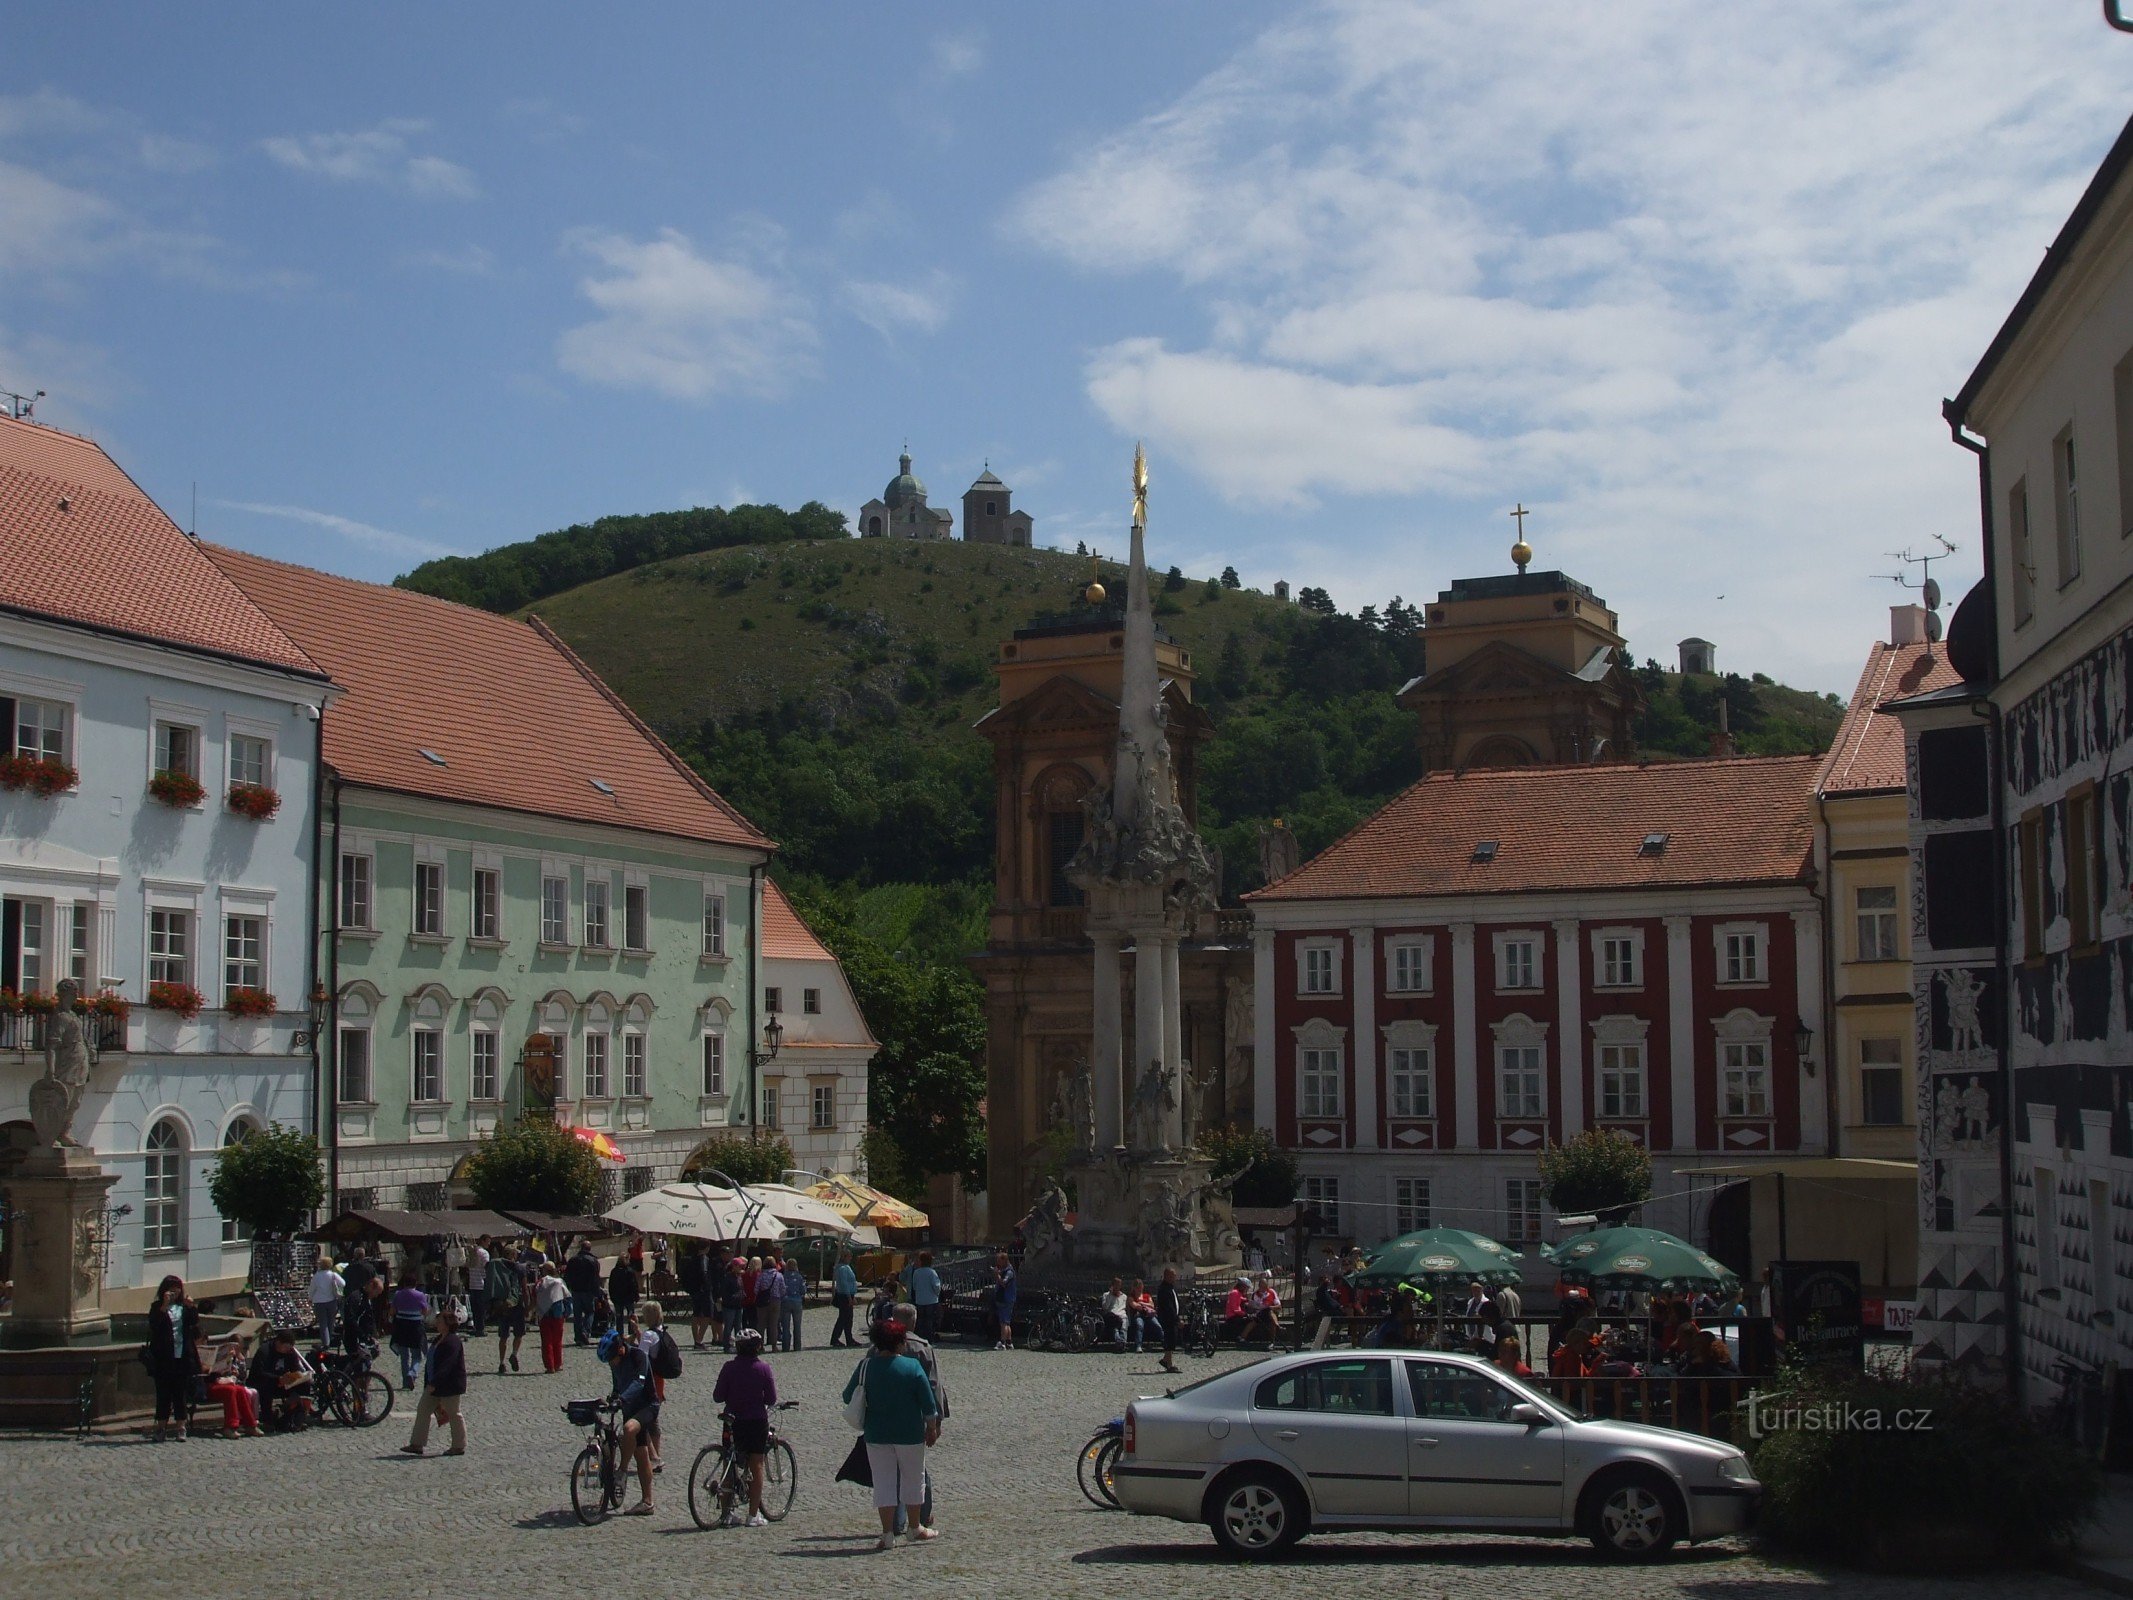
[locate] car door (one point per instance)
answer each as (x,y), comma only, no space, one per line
(1337,1425)
(1468,1461)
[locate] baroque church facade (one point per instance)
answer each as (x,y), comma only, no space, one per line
(902,512)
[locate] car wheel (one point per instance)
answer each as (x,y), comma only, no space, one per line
(1633,1516)
(1256,1514)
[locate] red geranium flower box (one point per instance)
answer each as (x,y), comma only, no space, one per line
(177,789)
(249,1003)
(254,800)
(45,775)
(182,998)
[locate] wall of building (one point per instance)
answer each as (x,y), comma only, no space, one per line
(827,1048)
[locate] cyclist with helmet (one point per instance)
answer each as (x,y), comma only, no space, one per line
(748,1389)
(632,1385)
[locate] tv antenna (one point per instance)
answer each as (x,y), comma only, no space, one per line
(1925,583)
(19,406)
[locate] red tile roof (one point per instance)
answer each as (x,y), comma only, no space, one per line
(111,559)
(517,720)
(785,936)
(1867,755)
(1741,820)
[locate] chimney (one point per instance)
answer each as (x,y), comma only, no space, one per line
(1722,735)
(1907,625)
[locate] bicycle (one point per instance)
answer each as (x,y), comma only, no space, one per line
(596,1480)
(718,1481)
(1092,1468)
(358,1395)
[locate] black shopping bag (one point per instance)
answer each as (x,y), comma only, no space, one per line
(857,1469)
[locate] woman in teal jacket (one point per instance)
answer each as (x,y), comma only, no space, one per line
(903,1418)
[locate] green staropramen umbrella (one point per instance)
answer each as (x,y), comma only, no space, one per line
(1638,1258)
(1438,1258)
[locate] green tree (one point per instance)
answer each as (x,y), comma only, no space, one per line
(1173,580)
(745,1160)
(1211,590)
(1597,1170)
(1245,1157)
(1230,580)
(269,1181)
(534,1165)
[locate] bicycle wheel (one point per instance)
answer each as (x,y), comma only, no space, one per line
(711,1487)
(1106,1459)
(1077,1336)
(588,1486)
(369,1400)
(781,1480)
(1085,1470)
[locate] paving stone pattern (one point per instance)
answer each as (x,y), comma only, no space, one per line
(333,1512)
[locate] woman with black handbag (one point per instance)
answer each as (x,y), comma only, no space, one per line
(173,1355)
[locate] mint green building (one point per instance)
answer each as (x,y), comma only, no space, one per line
(528,906)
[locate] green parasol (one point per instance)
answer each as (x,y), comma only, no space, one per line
(1637,1258)
(1438,1258)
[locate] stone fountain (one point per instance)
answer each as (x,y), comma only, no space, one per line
(56,1197)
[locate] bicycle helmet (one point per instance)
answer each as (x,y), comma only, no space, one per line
(745,1337)
(610,1342)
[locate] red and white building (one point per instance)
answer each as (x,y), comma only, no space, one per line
(1503,957)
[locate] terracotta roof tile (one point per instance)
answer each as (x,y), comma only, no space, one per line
(112,559)
(1741,820)
(516,719)
(785,936)
(1867,754)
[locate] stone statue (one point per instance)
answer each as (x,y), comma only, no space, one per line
(1279,853)
(1045,1225)
(1081,1107)
(1154,1099)
(55,1098)
(1195,1097)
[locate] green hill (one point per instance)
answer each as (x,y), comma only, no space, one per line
(828,687)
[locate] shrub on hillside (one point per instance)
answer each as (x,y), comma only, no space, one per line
(1925,1473)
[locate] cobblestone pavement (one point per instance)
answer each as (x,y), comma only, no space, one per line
(333,1512)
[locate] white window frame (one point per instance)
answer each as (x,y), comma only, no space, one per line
(1321,1192)
(1894,1065)
(241,1128)
(485,1079)
(425,1063)
(163,718)
(636,1065)
(165,1175)
(56,708)
(1410,965)
(366,860)
(1755,947)
(485,915)
(1629,943)
(555,908)
(596,913)
(637,908)
(1876,930)
(231,962)
(1525,1211)
(1318,962)
(1321,1061)
(595,1057)
(189,956)
(355,1024)
(79,922)
(235,736)
(1520,1033)
(822,1107)
(1510,966)
(1621,1051)
(1741,1081)
(1410,1205)
(714,1063)
(1410,1064)
(427,891)
(768,1112)
(714,930)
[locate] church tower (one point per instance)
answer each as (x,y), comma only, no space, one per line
(988,517)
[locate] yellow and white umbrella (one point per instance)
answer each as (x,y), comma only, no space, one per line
(864,1205)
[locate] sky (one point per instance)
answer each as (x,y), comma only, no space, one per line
(1687,281)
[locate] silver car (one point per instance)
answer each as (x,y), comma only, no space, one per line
(1318,1442)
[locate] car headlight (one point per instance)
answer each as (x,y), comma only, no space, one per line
(1735,1469)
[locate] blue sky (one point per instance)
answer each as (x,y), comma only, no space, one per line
(1689,280)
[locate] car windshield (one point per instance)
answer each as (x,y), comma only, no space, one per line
(1215,1377)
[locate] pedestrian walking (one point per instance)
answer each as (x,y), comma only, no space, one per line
(507,1304)
(770,1297)
(478,1287)
(1168,1314)
(622,1286)
(926,1296)
(748,1389)
(844,1295)
(582,1277)
(795,1302)
(551,1306)
(902,1418)
(732,1300)
(444,1388)
(327,1287)
(1004,1289)
(173,1355)
(922,1351)
(411,1311)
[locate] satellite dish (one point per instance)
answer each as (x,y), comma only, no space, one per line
(1931,595)
(1933,627)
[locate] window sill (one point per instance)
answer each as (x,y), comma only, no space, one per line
(427,1105)
(474,943)
(1318,994)
(707,959)
(355,1105)
(484,1100)
(596,950)
(1742,983)
(1634,986)
(434,940)
(358,933)
(633,952)
(1409,994)
(549,947)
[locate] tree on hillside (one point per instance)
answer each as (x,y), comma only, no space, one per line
(1211,590)
(1313,599)
(1230,579)
(1173,580)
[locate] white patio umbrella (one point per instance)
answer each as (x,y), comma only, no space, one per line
(807,1212)
(697,1211)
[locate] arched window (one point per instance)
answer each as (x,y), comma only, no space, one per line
(163,1184)
(874,527)
(1064,823)
(239,1130)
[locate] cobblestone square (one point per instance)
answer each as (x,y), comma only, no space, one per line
(339,1512)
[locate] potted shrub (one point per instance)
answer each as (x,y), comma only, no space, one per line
(249,1003)
(177,790)
(45,775)
(254,800)
(181,999)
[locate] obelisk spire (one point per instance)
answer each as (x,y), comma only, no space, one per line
(1142,748)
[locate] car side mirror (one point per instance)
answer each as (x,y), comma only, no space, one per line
(1527,1415)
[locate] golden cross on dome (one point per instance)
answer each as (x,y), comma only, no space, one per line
(1140,487)
(1520,512)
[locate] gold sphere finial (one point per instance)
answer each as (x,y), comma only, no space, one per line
(1521,552)
(1094,594)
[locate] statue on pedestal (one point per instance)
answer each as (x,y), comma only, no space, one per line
(55,1098)
(1155,1098)
(1081,1108)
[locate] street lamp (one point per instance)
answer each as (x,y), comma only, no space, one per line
(1803,1041)
(773,1036)
(321,1005)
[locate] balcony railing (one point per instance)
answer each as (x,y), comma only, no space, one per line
(27,1031)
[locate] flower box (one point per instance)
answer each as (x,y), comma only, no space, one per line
(105,1003)
(249,1003)
(180,998)
(38,1002)
(178,790)
(254,800)
(45,775)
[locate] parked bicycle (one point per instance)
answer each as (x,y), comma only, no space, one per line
(596,1479)
(1092,1468)
(1072,1323)
(718,1482)
(358,1395)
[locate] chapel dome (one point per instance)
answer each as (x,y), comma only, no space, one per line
(903,489)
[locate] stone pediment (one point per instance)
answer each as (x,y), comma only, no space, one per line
(1495,668)
(1061,702)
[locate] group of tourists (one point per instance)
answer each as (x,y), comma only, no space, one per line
(729,1291)
(260,1390)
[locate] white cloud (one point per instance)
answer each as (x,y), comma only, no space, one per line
(957,54)
(381,155)
(51,226)
(1691,278)
(467,261)
(383,540)
(892,308)
(684,324)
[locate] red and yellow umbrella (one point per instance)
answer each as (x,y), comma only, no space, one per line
(602,1146)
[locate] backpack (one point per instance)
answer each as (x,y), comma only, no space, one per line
(666,1356)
